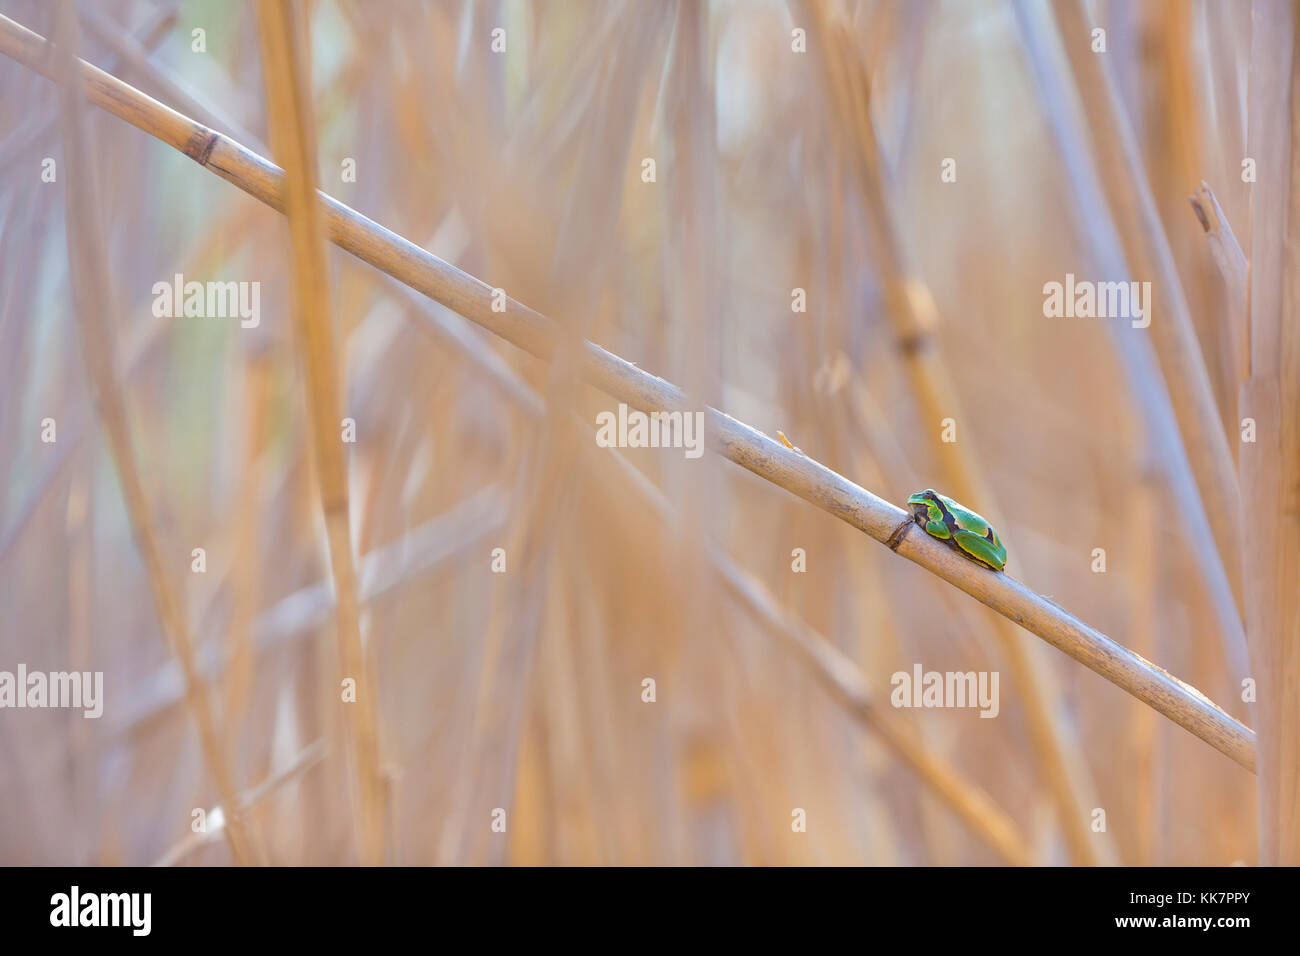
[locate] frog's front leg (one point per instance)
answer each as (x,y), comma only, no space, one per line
(929,516)
(936,527)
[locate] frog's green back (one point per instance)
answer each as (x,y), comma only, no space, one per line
(968,519)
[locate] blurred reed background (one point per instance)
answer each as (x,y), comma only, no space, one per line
(775,170)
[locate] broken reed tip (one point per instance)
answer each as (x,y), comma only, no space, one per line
(1200,212)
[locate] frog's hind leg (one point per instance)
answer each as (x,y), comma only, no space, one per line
(979,548)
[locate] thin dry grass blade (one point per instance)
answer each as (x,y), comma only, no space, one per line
(1270,466)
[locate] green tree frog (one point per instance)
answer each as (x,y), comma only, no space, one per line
(961,528)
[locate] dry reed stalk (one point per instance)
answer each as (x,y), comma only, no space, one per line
(752,450)
(83,752)
(1201,144)
(288,92)
(14,337)
(593,676)
(1130,199)
(88,268)
(1222,30)
(257,375)
(1179,125)
(689,206)
(1063,769)
(1270,466)
(1178,138)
